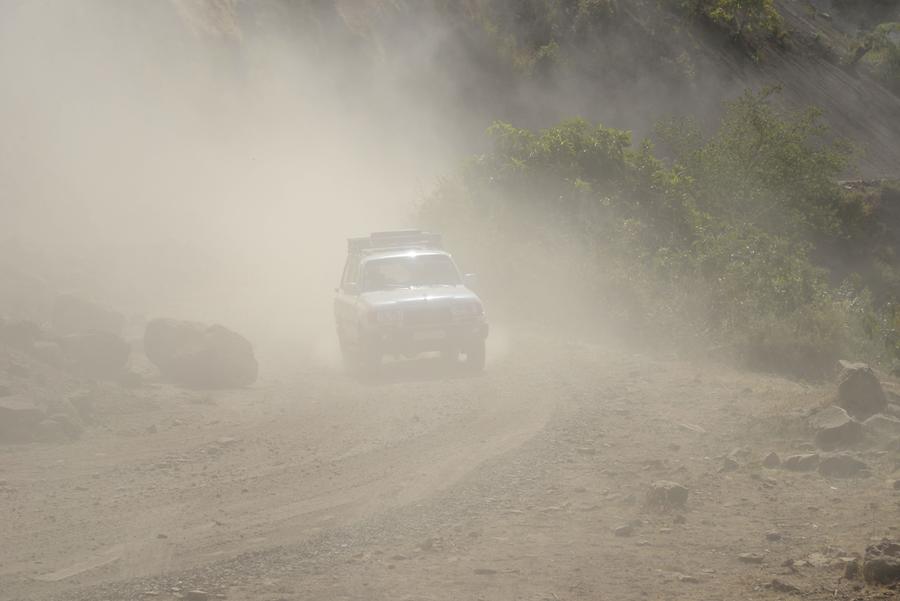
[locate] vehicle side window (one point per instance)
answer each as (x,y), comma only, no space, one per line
(351,271)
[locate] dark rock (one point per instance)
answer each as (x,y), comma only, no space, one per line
(626,530)
(730,465)
(19,416)
(834,428)
(859,391)
(96,354)
(896,484)
(806,462)
(784,587)
(197,595)
(750,558)
(851,570)
(74,315)
(773,535)
(772,460)
(200,356)
(667,495)
(880,427)
(841,465)
(881,564)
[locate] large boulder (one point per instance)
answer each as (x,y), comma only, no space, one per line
(73,315)
(19,417)
(199,355)
(96,354)
(834,428)
(859,391)
(881,564)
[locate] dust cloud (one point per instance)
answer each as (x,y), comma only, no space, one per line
(170,159)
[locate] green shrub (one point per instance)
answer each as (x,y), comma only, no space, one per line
(750,21)
(713,245)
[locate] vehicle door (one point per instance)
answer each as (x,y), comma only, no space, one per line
(346,300)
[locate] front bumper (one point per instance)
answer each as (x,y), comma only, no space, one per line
(406,340)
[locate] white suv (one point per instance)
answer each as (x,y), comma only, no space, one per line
(401,294)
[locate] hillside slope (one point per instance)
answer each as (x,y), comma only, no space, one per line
(626,64)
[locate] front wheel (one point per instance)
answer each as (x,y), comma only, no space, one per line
(475,356)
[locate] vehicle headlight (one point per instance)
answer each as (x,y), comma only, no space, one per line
(466,309)
(389,315)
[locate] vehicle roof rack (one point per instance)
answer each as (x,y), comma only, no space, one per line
(393,240)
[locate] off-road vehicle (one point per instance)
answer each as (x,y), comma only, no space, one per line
(401,295)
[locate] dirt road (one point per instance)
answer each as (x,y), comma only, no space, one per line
(426,485)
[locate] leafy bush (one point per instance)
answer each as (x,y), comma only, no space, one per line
(751,21)
(710,246)
(881,48)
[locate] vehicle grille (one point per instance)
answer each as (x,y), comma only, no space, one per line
(427,316)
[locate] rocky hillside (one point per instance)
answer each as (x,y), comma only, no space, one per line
(626,64)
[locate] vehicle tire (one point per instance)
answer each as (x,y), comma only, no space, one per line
(475,356)
(450,356)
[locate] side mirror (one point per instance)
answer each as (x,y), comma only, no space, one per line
(470,280)
(351,288)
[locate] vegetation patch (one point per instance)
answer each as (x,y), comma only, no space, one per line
(722,239)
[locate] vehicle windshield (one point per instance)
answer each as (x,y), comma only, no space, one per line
(409,271)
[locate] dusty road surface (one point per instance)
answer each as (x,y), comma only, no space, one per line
(527,482)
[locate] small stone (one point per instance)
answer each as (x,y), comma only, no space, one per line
(834,428)
(667,495)
(626,530)
(882,426)
(750,557)
(196,595)
(772,460)
(806,462)
(773,535)
(485,571)
(896,484)
(687,578)
(842,465)
(730,465)
(784,587)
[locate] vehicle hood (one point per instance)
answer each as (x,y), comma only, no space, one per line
(406,297)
